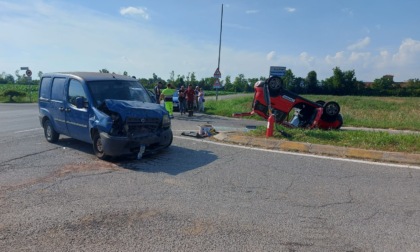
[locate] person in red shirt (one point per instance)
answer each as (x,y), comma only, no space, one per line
(189,95)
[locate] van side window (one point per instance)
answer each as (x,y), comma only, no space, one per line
(75,90)
(57,91)
(45,92)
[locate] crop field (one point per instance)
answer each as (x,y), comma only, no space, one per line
(31,92)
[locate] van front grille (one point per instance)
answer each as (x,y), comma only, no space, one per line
(142,125)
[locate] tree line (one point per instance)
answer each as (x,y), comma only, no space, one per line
(340,83)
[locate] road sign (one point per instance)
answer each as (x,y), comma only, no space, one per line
(217,84)
(24,68)
(217,73)
(277,71)
(28,73)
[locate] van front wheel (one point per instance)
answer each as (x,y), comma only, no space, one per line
(98,148)
(50,134)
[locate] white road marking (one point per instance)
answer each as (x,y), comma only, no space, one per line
(302,154)
(21,131)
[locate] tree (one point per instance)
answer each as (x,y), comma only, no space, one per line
(241,84)
(104,70)
(383,85)
(193,79)
(311,83)
(172,76)
(252,82)
(288,79)
(228,84)
(19,78)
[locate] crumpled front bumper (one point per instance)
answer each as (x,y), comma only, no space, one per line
(121,145)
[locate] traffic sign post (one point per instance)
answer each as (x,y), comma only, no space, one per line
(216,84)
(217,74)
(28,73)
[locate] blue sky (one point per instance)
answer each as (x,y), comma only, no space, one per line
(374,37)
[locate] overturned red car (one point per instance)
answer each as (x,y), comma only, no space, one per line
(271,98)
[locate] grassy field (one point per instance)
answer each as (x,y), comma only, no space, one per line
(401,113)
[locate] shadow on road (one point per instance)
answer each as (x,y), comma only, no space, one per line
(173,160)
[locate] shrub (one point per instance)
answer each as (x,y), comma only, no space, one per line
(13,93)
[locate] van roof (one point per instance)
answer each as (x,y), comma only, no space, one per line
(90,76)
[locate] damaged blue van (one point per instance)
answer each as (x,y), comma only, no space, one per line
(112,112)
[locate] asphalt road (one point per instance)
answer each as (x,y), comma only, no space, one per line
(197,195)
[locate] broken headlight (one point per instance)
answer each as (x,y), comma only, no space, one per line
(166,122)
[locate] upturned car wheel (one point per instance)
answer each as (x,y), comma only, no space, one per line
(98,147)
(50,134)
(331,108)
(275,83)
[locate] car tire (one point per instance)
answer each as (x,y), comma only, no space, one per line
(170,140)
(275,84)
(97,147)
(331,109)
(50,134)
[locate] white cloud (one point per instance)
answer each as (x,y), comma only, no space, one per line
(133,11)
(338,58)
(355,56)
(408,52)
(306,59)
(359,44)
(290,9)
(271,55)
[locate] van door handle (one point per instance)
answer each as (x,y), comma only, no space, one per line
(61,108)
(67,109)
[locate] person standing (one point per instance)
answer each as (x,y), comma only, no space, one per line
(182,100)
(166,96)
(158,92)
(201,100)
(196,90)
(190,97)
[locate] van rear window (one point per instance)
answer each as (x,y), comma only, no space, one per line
(45,92)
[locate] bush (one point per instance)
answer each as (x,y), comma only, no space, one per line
(13,93)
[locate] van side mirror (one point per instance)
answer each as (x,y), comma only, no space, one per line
(80,102)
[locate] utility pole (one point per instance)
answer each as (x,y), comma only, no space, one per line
(217,73)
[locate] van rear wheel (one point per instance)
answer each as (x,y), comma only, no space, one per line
(98,147)
(50,134)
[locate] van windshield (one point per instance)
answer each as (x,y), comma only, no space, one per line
(117,90)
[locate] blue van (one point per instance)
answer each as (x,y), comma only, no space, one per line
(112,112)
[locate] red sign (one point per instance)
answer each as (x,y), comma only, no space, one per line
(217,73)
(217,84)
(29,73)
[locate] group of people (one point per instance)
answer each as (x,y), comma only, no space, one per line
(190,99)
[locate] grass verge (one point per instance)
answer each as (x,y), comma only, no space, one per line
(400,113)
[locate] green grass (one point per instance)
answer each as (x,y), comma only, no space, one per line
(384,141)
(401,113)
